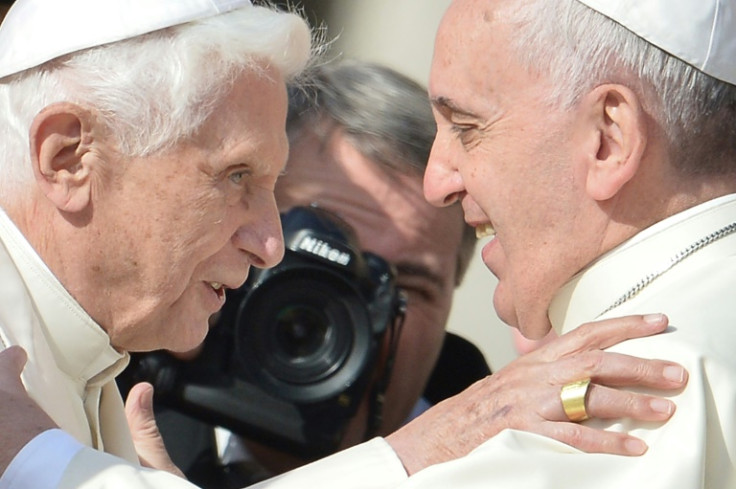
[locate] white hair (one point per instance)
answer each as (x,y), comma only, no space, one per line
(155,89)
(579,48)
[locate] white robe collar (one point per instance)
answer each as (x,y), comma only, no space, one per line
(595,289)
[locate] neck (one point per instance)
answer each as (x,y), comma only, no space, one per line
(57,239)
(655,196)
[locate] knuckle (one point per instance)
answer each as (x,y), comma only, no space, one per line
(641,371)
(633,404)
(587,334)
(575,436)
(616,444)
(590,361)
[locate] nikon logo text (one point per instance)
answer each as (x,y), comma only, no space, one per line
(320,248)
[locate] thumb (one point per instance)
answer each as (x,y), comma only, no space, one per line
(146,437)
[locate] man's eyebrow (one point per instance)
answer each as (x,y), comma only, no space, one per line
(419,270)
(447,104)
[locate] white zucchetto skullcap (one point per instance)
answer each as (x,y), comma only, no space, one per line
(37,31)
(701,33)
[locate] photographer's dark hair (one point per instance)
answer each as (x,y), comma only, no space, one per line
(386,115)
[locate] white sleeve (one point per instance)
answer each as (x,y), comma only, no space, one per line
(42,462)
(370,465)
(55,460)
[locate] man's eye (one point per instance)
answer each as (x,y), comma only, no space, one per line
(460,129)
(419,293)
(466,134)
(238,176)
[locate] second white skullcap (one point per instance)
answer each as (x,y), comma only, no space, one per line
(701,33)
(37,31)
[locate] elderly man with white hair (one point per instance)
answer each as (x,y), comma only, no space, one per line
(596,141)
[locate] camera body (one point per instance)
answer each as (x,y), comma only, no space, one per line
(294,349)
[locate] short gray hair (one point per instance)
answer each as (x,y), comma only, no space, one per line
(155,89)
(386,115)
(579,48)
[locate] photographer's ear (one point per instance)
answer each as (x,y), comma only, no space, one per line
(60,140)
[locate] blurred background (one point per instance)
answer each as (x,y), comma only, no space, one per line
(400,34)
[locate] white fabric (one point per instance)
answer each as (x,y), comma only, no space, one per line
(36,31)
(700,32)
(371,465)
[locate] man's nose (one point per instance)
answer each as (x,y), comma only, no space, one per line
(443,185)
(262,237)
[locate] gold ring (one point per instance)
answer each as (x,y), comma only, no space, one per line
(573,397)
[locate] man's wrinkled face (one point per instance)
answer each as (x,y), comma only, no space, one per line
(391,218)
(504,152)
(184,224)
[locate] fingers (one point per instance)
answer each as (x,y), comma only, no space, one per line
(592,440)
(618,369)
(605,333)
(606,403)
(605,399)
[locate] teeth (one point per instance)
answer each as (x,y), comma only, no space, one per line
(216,285)
(484,231)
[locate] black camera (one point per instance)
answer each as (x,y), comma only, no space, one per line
(294,349)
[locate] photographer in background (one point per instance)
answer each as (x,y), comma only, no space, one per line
(360,136)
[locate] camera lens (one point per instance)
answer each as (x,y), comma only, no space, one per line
(301,330)
(304,336)
(301,342)
(298,338)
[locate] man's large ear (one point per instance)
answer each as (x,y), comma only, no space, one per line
(615,133)
(60,155)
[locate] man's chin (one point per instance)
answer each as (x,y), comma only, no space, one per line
(186,342)
(188,354)
(534,328)
(504,307)
(531,322)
